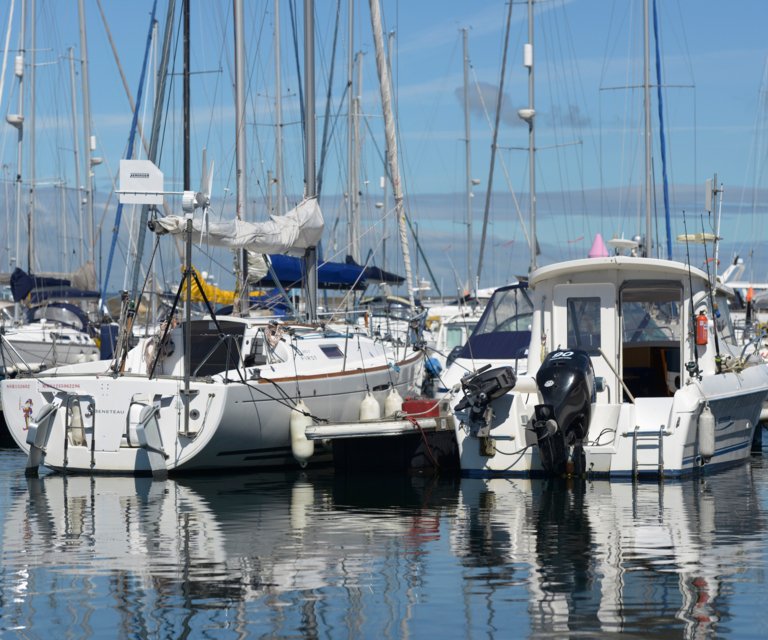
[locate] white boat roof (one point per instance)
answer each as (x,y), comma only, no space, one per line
(634,266)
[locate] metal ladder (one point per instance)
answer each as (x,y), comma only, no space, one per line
(646,440)
(42,425)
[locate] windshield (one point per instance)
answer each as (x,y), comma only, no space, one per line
(504,330)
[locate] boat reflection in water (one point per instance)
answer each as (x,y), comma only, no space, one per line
(374,556)
(263,554)
(606,557)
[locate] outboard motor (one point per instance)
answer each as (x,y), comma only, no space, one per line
(480,389)
(566,381)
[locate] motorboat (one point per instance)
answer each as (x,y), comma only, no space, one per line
(500,336)
(633,369)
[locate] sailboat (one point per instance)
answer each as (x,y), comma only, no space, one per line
(212,393)
(42,327)
(632,370)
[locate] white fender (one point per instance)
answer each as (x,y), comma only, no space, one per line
(706,433)
(393,403)
(302,447)
(369,408)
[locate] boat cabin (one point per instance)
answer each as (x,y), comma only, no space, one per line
(633,319)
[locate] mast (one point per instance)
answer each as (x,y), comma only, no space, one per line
(157,119)
(5,167)
(662,139)
(17,120)
(240,172)
(87,130)
(489,188)
(357,112)
(31,203)
(647,108)
(389,126)
(310,188)
(185,94)
(528,117)
(468,161)
(351,166)
(76,149)
(278,116)
(188,239)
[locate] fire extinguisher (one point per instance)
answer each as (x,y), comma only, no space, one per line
(701,329)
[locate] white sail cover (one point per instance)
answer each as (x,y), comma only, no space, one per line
(290,234)
(257,267)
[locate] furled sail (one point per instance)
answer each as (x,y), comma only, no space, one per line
(290,234)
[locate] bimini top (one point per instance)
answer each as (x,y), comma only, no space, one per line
(638,267)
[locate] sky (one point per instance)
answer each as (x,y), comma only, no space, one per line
(589,118)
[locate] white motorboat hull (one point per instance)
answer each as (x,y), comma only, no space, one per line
(652,437)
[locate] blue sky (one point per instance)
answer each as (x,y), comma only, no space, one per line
(588,124)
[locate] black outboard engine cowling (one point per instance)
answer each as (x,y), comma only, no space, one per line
(566,381)
(480,389)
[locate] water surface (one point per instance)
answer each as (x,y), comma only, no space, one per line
(323,556)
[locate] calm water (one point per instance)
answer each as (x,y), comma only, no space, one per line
(293,556)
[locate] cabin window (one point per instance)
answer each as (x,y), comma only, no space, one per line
(651,314)
(331,351)
(724,320)
(584,324)
(454,337)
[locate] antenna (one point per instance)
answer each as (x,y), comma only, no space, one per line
(691,367)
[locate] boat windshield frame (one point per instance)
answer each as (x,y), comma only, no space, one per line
(504,329)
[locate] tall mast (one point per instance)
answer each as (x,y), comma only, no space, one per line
(489,188)
(31,203)
(185,11)
(351,167)
(528,62)
(310,178)
(468,161)
(188,239)
(86,130)
(278,116)
(76,150)
(17,120)
(389,127)
(240,171)
(357,111)
(647,245)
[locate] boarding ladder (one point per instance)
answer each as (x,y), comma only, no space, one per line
(74,430)
(38,435)
(647,440)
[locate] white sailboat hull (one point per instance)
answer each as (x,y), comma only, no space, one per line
(100,422)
